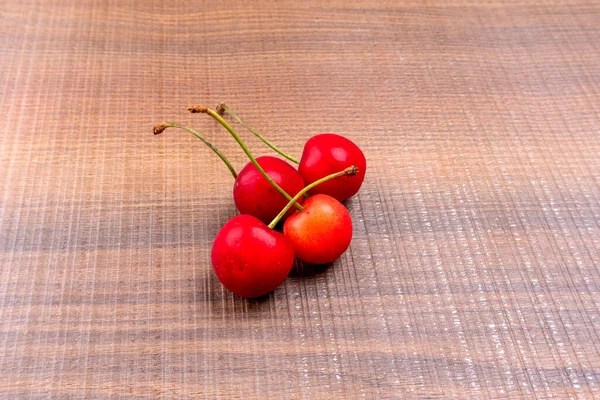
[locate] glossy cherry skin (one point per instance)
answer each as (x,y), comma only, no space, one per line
(329,153)
(254,195)
(249,258)
(321,232)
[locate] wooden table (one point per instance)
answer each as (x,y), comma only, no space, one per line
(474,271)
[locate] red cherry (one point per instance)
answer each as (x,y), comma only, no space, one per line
(249,258)
(321,232)
(254,195)
(327,153)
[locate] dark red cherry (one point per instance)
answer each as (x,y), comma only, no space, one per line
(249,258)
(326,154)
(254,195)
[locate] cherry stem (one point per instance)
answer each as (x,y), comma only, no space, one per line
(160,128)
(215,115)
(223,108)
(348,171)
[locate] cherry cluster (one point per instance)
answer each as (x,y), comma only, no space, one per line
(249,256)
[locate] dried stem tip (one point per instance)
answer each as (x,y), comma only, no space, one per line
(197,109)
(351,170)
(160,128)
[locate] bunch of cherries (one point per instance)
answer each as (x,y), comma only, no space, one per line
(249,256)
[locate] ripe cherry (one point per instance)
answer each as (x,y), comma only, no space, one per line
(327,153)
(258,188)
(287,174)
(249,258)
(321,232)
(254,195)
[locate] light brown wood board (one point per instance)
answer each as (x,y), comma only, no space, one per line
(474,268)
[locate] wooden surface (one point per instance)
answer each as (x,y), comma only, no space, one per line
(474,271)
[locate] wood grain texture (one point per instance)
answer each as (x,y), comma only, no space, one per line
(474,271)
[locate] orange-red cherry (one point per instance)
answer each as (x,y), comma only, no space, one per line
(326,154)
(321,232)
(254,195)
(249,258)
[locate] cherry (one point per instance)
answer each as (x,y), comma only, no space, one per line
(327,153)
(249,258)
(256,186)
(254,195)
(321,232)
(219,119)
(323,154)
